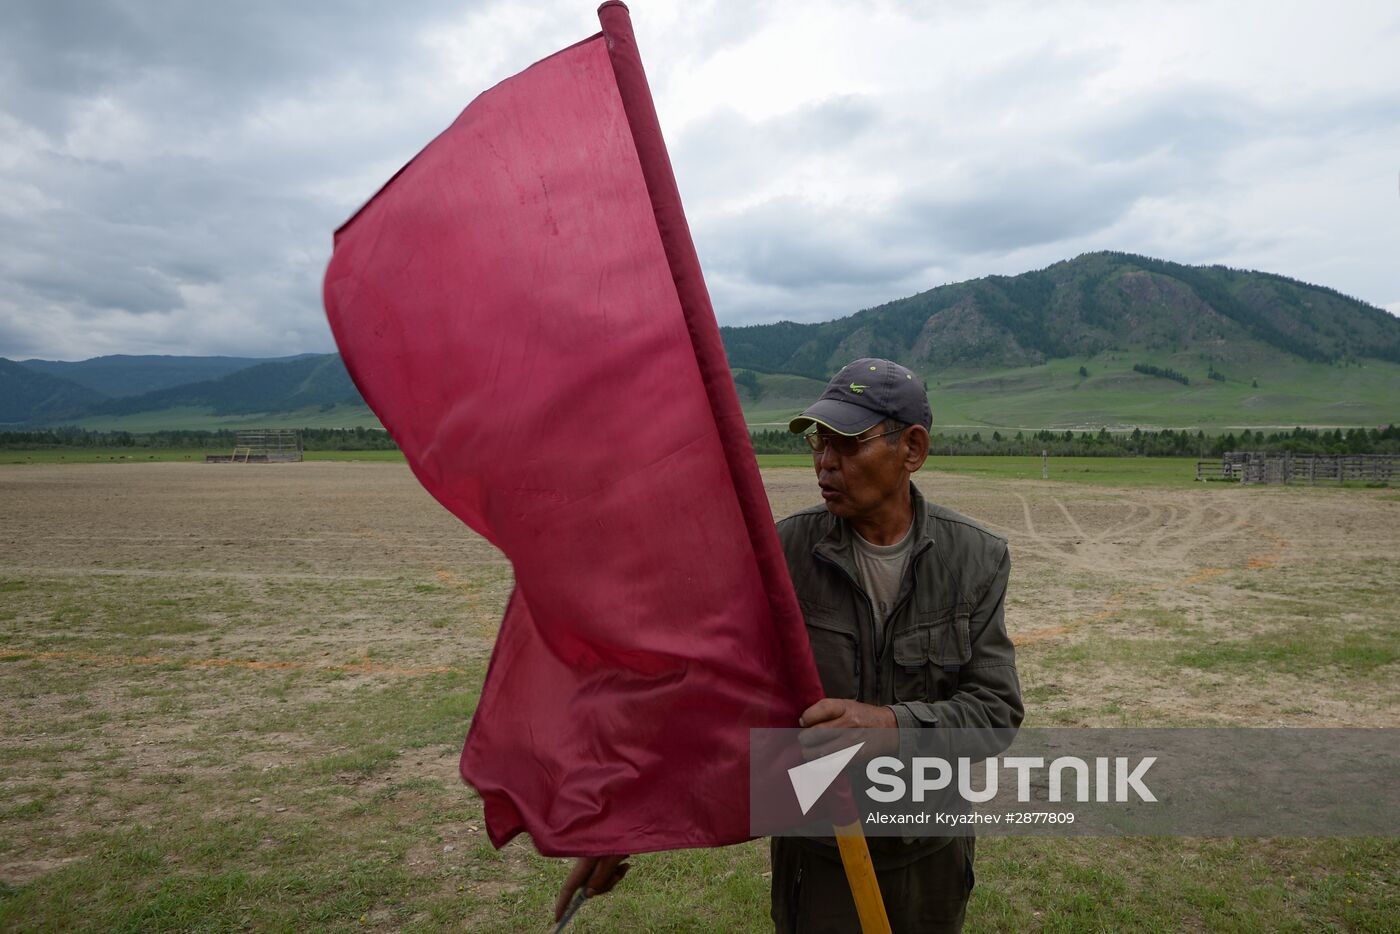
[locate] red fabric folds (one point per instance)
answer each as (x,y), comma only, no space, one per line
(509,307)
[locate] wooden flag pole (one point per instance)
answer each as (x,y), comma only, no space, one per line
(860,874)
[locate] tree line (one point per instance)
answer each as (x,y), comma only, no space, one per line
(1101,443)
(312,439)
(1164,372)
(1137,443)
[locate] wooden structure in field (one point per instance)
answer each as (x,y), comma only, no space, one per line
(1312,469)
(261,446)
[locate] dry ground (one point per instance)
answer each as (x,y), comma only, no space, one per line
(233,695)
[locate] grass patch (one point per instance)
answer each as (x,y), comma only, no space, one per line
(1179,472)
(175,795)
(135,455)
(364,760)
(1356,653)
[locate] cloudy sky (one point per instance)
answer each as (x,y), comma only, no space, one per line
(171,171)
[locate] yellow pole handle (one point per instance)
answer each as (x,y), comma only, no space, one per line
(860,874)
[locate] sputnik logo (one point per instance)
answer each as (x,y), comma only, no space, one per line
(810,780)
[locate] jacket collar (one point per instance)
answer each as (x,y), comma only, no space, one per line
(838,542)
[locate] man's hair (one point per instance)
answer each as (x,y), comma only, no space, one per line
(890,424)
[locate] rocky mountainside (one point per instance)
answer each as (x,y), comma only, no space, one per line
(1083,307)
(1075,343)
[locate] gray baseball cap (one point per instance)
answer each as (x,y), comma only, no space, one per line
(866,392)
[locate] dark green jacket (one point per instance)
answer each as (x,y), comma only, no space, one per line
(946,661)
(946,658)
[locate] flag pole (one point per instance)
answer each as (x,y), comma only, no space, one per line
(719,385)
(860,875)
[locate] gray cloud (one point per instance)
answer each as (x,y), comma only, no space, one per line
(166,188)
(200,61)
(171,172)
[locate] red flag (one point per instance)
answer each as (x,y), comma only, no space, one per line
(523,308)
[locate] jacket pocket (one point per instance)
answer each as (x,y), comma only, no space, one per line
(912,679)
(928,657)
(954,647)
(834,650)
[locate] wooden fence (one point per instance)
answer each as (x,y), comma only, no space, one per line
(1312,469)
(261,446)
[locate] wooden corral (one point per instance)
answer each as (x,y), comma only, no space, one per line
(1286,467)
(261,446)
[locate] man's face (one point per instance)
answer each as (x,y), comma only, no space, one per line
(857,486)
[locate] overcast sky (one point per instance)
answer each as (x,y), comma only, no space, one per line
(171,172)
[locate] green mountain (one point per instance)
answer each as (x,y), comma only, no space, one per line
(27,395)
(1105,339)
(121,375)
(1084,343)
(311,380)
(1096,303)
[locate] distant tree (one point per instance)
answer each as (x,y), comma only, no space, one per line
(1150,370)
(748,379)
(1254,383)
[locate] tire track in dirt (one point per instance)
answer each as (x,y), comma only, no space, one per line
(1078,532)
(1030,523)
(1150,514)
(1176,535)
(1065,549)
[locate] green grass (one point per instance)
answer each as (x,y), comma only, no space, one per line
(1177,472)
(1053,395)
(200,418)
(173,797)
(136,455)
(1313,650)
(100,455)
(1095,471)
(1328,624)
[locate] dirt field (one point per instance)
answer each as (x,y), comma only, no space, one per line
(239,692)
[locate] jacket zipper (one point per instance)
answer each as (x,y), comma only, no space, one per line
(870,610)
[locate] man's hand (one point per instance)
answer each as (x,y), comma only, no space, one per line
(838,713)
(596,874)
(831,713)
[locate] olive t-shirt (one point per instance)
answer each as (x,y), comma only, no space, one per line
(882,570)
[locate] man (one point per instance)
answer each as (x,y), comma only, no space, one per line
(904,606)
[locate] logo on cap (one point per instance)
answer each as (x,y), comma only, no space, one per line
(857,388)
